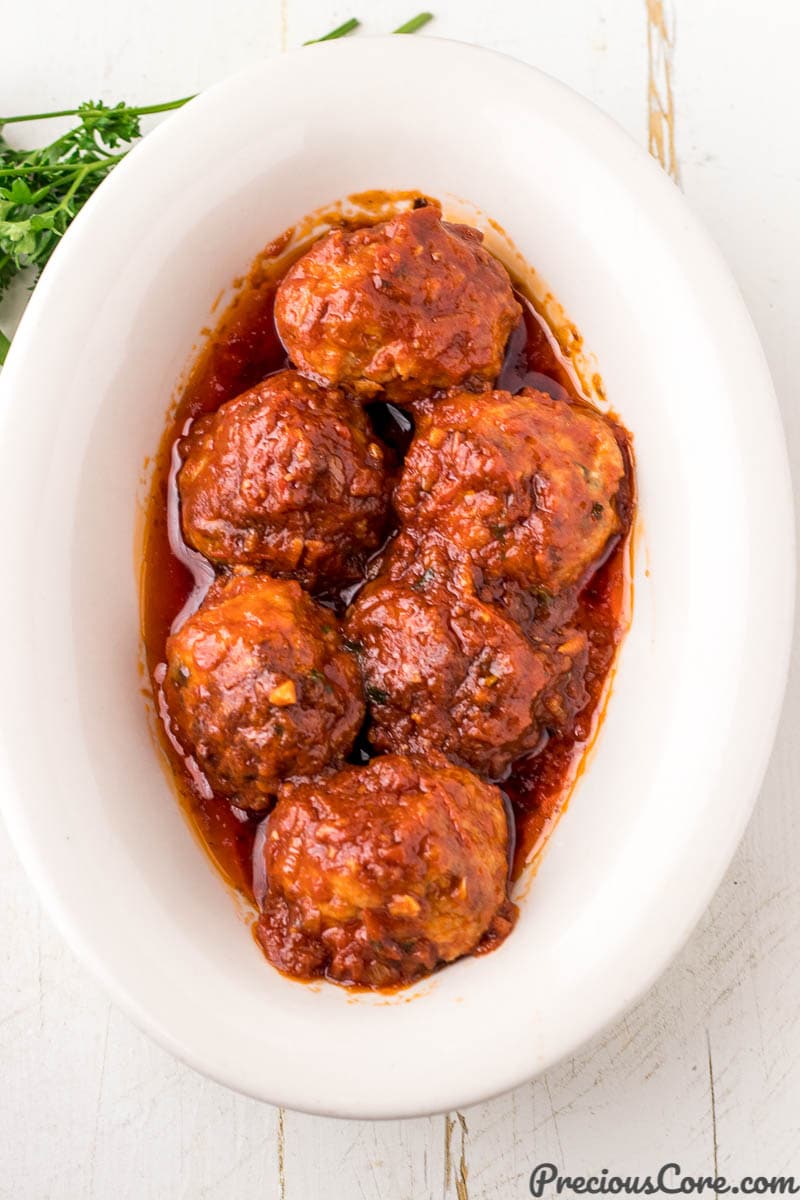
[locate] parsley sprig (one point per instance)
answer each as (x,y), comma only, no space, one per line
(43,190)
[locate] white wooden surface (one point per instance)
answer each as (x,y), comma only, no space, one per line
(706,1070)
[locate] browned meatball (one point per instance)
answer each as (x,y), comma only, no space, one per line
(260,687)
(287,477)
(443,670)
(523,485)
(404,307)
(376,874)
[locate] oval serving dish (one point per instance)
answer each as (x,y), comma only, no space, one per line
(671,781)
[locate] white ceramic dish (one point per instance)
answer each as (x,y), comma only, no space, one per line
(657,816)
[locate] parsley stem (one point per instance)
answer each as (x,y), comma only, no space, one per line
(415,23)
(338,32)
(141,111)
(166,106)
(80,170)
(76,183)
(5,345)
(55,168)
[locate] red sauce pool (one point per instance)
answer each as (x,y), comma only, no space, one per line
(244,348)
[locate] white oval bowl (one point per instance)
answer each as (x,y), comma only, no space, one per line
(655,818)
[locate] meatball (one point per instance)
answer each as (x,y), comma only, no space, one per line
(405,307)
(376,874)
(444,670)
(523,485)
(259,687)
(287,477)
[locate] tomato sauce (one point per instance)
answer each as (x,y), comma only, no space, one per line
(243,349)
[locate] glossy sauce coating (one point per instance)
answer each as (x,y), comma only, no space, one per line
(287,477)
(444,670)
(379,873)
(523,485)
(405,306)
(243,350)
(259,684)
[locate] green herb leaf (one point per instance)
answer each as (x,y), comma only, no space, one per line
(415,23)
(420,584)
(181,675)
(88,110)
(339,32)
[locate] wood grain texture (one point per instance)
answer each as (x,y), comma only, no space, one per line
(660,97)
(706,1069)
